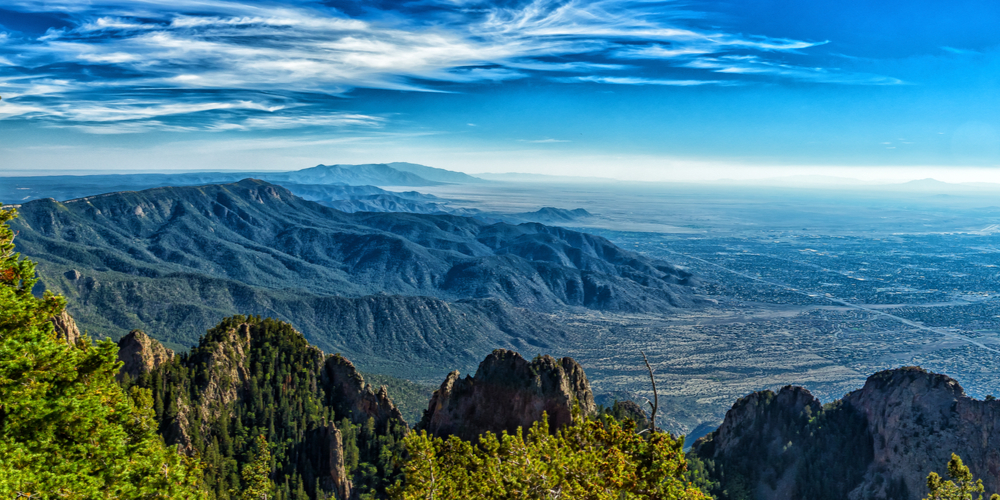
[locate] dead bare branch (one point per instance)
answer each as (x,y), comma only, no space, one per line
(656,398)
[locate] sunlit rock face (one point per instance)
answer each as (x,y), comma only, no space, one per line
(140,354)
(508,392)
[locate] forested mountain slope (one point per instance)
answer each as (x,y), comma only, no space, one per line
(331,433)
(174,261)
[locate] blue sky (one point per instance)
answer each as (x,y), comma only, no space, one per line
(634,89)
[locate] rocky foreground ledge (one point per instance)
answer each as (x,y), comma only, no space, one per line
(878,442)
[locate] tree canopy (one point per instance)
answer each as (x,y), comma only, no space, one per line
(593,459)
(960,487)
(67,429)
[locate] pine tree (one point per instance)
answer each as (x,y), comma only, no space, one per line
(598,459)
(960,487)
(67,429)
(257,473)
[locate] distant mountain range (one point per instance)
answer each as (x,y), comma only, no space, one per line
(172,261)
(304,182)
(376,174)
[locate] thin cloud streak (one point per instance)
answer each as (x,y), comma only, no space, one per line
(625,80)
(754,65)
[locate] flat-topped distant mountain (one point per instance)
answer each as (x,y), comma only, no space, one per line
(173,260)
(375,174)
(337,192)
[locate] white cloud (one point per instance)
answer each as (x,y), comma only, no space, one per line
(962,52)
(108,23)
(9,109)
(754,65)
(110,58)
(274,122)
(131,109)
(661,52)
(628,80)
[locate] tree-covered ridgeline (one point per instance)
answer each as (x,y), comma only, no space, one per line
(67,429)
(253,377)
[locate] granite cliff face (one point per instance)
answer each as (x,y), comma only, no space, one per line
(508,392)
(917,419)
(879,442)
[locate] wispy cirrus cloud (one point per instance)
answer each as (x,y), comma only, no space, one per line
(544,141)
(754,65)
(145,62)
(630,80)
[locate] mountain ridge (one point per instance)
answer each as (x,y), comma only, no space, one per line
(173,261)
(437,174)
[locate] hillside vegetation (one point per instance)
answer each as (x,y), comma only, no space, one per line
(251,377)
(67,430)
(175,261)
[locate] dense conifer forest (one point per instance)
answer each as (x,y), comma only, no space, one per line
(284,401)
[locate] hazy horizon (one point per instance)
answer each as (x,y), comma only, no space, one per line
(814,178)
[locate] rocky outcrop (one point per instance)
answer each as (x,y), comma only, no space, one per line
(226,357)
(879,442)
(66,328)
(140,354)
(508,392)
(333,472)
(917,420)
(354,397)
